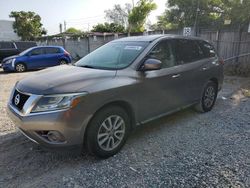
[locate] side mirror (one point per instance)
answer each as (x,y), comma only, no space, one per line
(151,64)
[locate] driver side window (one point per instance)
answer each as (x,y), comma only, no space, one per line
(37,51)
(163,52)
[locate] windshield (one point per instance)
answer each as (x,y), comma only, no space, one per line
(25,51)
(114,55)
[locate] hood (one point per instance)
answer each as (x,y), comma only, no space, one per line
(63,79)
(10,57)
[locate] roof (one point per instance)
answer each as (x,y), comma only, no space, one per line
(47,46)
(150,38)
(147,38)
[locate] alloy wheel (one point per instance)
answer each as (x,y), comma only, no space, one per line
(62,62)
(20,68)
(209,96)
(111,132)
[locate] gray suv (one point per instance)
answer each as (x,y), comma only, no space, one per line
(121,85)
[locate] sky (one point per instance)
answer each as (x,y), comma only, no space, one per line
(81,14)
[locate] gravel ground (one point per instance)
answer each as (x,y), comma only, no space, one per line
(186,149)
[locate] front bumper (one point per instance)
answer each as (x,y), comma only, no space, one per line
(7,67)
(70,125)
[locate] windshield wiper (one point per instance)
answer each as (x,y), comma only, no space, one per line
(88,66)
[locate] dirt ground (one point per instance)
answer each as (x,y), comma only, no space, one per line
(186,149)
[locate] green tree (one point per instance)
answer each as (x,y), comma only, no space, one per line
(139,14)
(238,11)
(106,27)
(27,25)
(181,13)
(73,30)
(118,14)
(184,12)
(162,24)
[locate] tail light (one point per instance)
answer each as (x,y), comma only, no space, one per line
(221,61)
(66,53)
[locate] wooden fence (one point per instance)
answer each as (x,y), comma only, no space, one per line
(231,45)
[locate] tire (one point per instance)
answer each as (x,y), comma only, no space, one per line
(63,62)
(20,67)
(208,98)
(104,139)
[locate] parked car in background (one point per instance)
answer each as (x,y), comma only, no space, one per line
(13,48)
(37,58)
(125,83)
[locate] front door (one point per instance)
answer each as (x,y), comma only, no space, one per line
(161,91)
(35,58)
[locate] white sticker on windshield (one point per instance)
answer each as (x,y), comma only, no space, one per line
(133,48)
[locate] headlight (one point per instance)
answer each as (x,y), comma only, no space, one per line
(57,102)
(10,61)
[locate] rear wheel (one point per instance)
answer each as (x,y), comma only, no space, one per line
(208,97)
(63,62)
(107,132)
(20,67)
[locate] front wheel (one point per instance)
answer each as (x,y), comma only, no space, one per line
(208,97)
(20,67)
(108,131)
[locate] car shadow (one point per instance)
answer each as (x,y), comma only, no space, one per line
(20,155)
(15,141)
(13,72)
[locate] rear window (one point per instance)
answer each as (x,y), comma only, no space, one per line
(6,45)
(25,45)
(52,50)
(186,51)
(208,49)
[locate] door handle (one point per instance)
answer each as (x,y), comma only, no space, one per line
(204,68)
(176,76)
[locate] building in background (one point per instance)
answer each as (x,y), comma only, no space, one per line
(7,32)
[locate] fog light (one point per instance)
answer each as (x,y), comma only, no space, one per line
(55,136)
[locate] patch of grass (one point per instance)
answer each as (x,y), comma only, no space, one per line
(246,89)
(246,92)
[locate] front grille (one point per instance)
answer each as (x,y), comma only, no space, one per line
(19,99)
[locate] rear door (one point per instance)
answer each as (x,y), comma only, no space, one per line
(190,59)
(210,64)
(52,56)
(161,90)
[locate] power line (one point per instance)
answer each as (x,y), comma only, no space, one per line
(86,18)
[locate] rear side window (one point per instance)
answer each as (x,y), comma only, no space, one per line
(186,51)
(37,51)
(208,49)
(6,45)
(25,45)
(163,52)
(52,50)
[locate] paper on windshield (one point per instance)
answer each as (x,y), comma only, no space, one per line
(133,48)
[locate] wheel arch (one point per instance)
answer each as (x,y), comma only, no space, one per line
(64,59)
(215,80)
(21,62)
(124,105)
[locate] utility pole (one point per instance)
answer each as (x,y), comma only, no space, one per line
(65,26)
(196,17)
(60,28)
